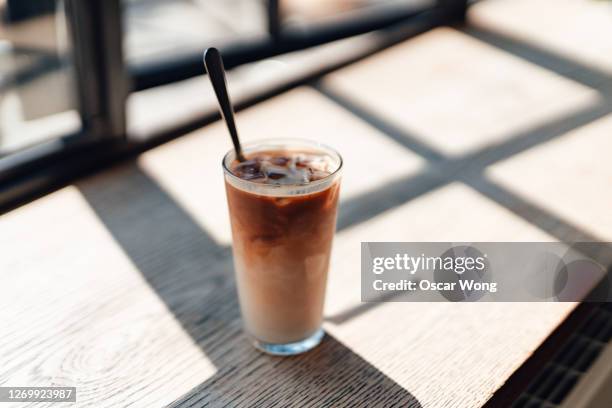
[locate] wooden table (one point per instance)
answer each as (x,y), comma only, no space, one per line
(121,284)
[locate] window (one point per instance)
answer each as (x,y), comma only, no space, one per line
(37,79)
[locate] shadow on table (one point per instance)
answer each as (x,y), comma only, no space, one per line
(193,275)
(330,375)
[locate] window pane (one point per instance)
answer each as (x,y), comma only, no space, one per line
(157,30)
(302,13)
(37,92)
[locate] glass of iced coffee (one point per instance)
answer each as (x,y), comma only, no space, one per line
(282,203)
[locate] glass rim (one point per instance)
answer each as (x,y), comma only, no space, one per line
(286,141)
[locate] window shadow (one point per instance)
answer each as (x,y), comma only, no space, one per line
(330,375)
(468,169)
(572,69)
(193,276)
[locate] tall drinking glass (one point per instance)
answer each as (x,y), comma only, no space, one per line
(283,204)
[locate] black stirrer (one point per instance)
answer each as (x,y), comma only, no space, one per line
(214,66)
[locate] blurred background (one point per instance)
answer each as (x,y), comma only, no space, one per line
(46,46)
(73,74)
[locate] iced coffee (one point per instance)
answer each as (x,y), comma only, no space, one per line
(282,202)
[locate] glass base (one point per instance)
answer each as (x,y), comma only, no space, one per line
(290,349)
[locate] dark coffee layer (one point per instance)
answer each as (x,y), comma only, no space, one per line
(281,167)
